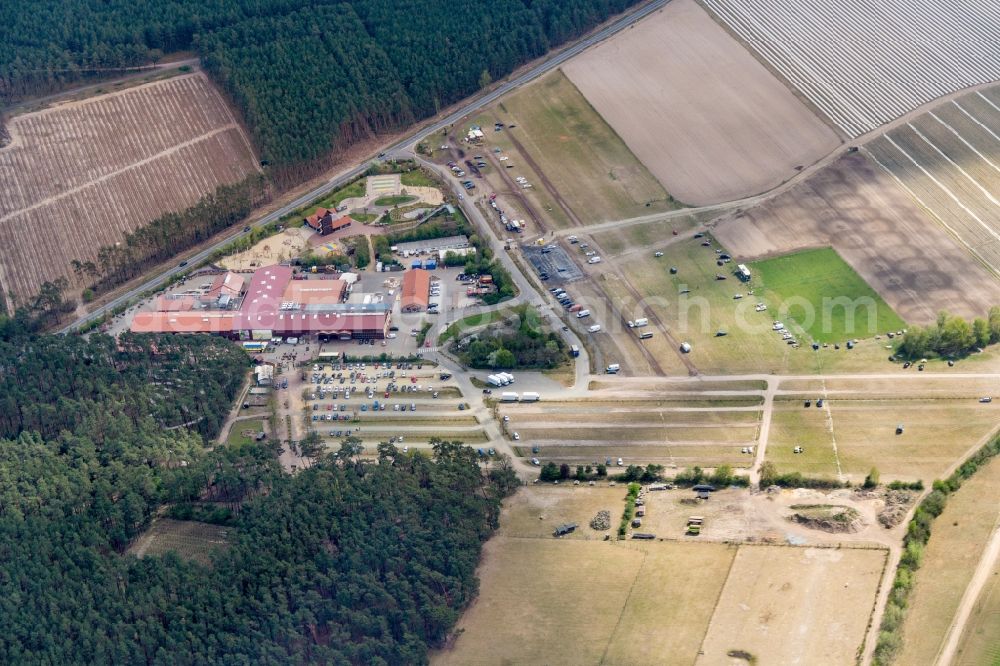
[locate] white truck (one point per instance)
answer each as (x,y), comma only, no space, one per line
(638,323)
(494,380)
(613,369)
(508,396)
(530,396)
(506,378)
(582,313)
(594,329)
(594,260)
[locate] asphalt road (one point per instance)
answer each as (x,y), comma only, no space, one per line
(550,62)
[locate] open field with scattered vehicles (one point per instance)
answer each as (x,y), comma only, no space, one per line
(950,558)
(815,292)
(191,540)
(718,318)
(124,159)
(947,160)
(888,59)
(879,230)
(849,436)
(795,605)
(579,153)
(709,121)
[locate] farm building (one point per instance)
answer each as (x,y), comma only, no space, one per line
(277,305)
(416,290)
(326,221)
(432,245)
(172,303)
(226,286)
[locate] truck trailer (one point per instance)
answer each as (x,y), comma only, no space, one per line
(508,396)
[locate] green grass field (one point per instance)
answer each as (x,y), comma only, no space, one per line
(817,292)
(417,178)
(394,200)
(242,432)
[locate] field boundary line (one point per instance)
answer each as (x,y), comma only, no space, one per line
(986,193)
(621,613)
(963,140)
(829,426)
(718,598)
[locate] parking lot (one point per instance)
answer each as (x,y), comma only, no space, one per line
(385,402)
(553,261)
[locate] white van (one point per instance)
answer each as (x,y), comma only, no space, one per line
(582,313)
(594,329)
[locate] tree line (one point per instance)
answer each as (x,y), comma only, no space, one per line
(311,79)
(350,561)
(950,336)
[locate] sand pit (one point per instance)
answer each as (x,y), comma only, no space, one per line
(708,120)
(288,244)
(858,209)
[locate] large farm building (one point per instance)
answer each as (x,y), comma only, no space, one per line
(274,303)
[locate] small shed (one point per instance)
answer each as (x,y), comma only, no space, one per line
(564,529)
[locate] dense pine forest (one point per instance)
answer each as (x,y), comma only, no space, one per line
(309,78)
(345,562)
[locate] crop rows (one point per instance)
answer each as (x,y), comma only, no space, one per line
(865,62)
(81,176)
(949,160)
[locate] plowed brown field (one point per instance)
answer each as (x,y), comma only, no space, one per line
(81,175)
(709,121)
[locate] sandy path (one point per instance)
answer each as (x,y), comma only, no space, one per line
(979,579)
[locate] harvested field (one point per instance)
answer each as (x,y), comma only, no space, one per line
(879,230)
(980,642)
(948,160)
(958,538)
(850,436)
(708,120)
(579,153)
(794,605)
(887,58)
(619,603)
(191,540)
(80,176)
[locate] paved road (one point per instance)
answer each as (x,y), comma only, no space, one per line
(550,62)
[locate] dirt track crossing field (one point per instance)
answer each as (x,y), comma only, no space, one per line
(81,175)
(696,108)
(878,228)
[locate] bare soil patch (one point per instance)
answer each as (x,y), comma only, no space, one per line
(788,605)
(697,109)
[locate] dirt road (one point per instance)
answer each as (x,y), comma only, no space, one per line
(987,562)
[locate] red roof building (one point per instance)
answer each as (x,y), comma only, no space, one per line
(416,290)
(325,221)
